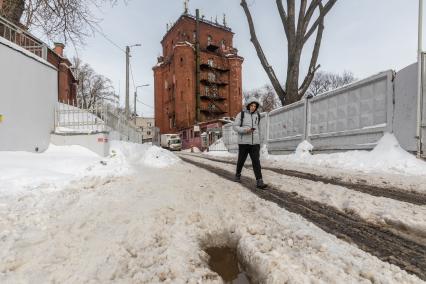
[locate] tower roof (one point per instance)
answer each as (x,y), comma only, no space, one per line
(193,18)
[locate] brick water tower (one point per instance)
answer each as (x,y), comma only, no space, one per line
(198,77)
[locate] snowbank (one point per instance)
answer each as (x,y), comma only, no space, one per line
(387,156)
(145,154)
(59,165)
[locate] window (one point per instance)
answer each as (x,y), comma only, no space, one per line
(148,133)
(223,44)
(209,40)
(210,62)
(149,124)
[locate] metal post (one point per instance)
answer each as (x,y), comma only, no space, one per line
(419,81)
(134,111)
(127,108)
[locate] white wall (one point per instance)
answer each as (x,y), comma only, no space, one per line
(406,107)
(96,142)
(28,93)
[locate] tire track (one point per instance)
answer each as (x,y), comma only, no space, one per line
(395,193)
(381,242)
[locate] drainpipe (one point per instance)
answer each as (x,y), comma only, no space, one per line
(197,66)
(419,82)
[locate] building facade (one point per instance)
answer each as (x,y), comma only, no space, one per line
(146,125)
(67,83)
(196,85)
(17,34)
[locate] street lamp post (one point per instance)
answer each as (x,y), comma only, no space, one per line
(127,107)
(136,95)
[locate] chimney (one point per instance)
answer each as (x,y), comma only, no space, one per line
(59,48)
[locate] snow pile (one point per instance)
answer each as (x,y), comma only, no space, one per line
(59,165)
(145,154)
(304,149)
(387,156)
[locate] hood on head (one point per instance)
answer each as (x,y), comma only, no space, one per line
(250,100)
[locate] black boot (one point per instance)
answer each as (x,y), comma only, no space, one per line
(237,178)
(260,184)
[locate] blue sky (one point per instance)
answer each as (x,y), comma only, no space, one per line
(361,36)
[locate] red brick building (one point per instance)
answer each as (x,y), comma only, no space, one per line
(67,84)
(176,79)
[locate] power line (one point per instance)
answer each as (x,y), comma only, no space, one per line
(108,39)
(131,73)
(144,104)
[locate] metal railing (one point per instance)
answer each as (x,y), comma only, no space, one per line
(20,37)
(100,117)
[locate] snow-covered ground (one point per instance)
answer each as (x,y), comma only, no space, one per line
(143,216)
(386,165)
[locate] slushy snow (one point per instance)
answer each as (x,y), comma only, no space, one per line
(143,216)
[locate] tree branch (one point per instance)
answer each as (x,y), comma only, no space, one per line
(312,66)
(320,18)
(268,68)
(300,22)
(283,16)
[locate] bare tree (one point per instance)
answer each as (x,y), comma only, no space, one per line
(12,10)
(327,81)
(59,20)
(267,97)
(92,87)
(297,34)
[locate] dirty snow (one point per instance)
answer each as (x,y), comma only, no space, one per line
(143,216)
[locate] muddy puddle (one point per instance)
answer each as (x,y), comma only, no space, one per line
(224,261)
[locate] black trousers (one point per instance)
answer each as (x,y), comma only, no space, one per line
(254,152)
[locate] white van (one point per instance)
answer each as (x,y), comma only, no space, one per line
(171,142)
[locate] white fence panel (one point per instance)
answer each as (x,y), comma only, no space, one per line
(352,117)
(286,127)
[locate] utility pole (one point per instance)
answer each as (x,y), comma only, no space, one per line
(127,107)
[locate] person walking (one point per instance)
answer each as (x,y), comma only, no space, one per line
(247,126)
